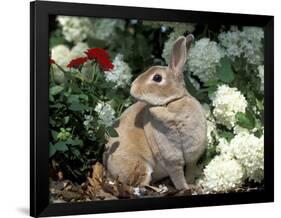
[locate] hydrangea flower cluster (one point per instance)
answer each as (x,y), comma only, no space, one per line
(62,55)
(248,150)
(221,175)
(203,59)
(78,50)
(76,29)
(246,43)
(106,113)
(121,73)
(88,121)
(240,159)
(227,102)
(105,28)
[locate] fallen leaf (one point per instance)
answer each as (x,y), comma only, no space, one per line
(96,179)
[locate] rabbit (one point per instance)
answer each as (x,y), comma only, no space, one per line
(164,133)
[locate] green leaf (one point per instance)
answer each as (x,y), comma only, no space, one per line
(52,150)
(61,146)
(66,119)
(83,97)
(100,132)
(211,82)
(56,90)
(56,105)
(73,98)
(54,134)
(190,86)
(212,90)
(260,105)
(245,120)
(224,71)
(74,142)
(51,98)
(56,38)
(227,135)
(76,152)
(78,107)
(111,131)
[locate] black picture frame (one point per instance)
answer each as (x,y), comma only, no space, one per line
(39,120)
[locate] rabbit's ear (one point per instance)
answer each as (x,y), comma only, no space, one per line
(179,53)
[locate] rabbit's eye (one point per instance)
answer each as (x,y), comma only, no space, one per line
(157,78)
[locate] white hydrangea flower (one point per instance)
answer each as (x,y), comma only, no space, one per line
(88,121)
(78,50)
(252,44)
(121,73)
(60,54)
(231,42)
(224,148)
(261,76)
(105,28)
(227,102)
(246,43)
(203,59)
(106,113)
(238,129)
(76,29)
(249,152)
(221,175)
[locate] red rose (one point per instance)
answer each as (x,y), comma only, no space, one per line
(77,62)
(101,56)
(96,53)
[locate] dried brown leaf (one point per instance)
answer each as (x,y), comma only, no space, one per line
(70,195)
(96,179)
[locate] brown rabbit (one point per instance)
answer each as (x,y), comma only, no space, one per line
(164,133)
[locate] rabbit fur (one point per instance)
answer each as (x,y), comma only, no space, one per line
(164,133)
